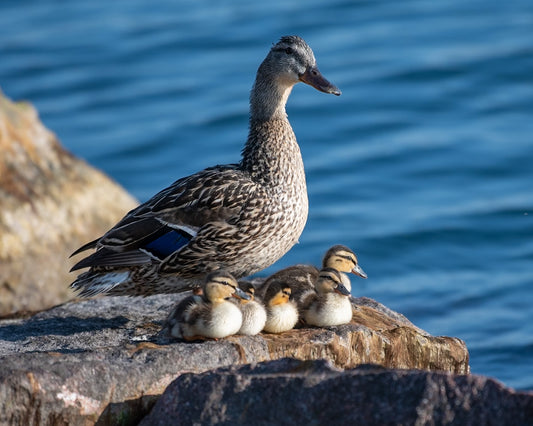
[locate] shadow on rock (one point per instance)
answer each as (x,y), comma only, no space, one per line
(127,413)
(59,326)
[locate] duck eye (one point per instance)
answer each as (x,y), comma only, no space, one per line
(348,258)
(289,50)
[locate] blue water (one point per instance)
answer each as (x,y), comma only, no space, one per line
(424,165)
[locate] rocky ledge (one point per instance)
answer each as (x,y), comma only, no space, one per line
(106,361)
(50,204)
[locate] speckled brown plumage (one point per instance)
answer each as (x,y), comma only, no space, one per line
(239,217)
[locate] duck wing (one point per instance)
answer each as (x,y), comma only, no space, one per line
(170,219)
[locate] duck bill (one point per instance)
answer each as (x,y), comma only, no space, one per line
(359,271)
(342,290)
(313,77)
(241,294)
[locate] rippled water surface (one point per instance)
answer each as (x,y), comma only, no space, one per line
(424,165)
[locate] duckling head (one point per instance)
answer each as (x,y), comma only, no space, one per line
(221,285)
(329,280)
(249,289)
(289,61)
(342,259)
(277,294)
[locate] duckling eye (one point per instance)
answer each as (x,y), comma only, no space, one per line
(349,259)
(289,50)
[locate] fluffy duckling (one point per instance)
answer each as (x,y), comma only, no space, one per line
(330,304)
(253,312)
(172,325)
(302,278)
(282,314)
(210,315)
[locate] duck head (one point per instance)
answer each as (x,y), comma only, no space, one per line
(342,259)
(221,285)
(277,294)
(329,281)
(295,61)
(289,61)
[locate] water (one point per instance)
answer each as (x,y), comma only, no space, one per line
(423,165)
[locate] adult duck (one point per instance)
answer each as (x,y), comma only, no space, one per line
(239,217)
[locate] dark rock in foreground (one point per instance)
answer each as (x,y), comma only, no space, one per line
(291,392)
(104,360)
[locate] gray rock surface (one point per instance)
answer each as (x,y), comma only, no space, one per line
(51,203)
(293,392)
(105,360)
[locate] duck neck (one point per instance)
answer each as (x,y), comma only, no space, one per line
(269,96)
(271,151)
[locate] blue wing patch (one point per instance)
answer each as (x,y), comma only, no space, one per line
(168,243)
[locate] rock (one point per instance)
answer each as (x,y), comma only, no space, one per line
(290,392)
(50,204)
(104,360)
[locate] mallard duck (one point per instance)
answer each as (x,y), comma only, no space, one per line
(239,217)
(211,314)
(253,312)
(330,304)
(282,314)
(302,278)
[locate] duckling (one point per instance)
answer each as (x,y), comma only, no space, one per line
(344,260)
(282,314)
(210,315)
(239,217)
(330,305)
(253,312)
(302,278)
(172,325)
